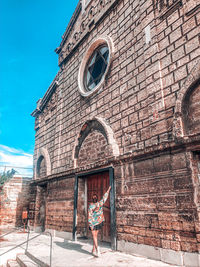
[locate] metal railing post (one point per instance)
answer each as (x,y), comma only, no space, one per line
(27,238)
(51,246)
(27,242)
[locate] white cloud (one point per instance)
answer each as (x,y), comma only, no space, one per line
(10,149)
(17,159)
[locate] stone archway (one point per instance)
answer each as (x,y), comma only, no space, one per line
(191,110)
(191,82)
(44,162)
(95,132)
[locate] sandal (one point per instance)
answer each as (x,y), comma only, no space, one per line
(98,252)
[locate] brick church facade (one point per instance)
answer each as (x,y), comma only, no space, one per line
(124,109)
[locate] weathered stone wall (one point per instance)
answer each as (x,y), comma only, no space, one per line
(59,205)
(82,209)
(140,92)
(31,206)
(93,149)
(16,196)
(156,55)
(155,202)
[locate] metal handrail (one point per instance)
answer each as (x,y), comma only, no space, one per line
(51,243)
(27,241)
(16,245)
(13,230)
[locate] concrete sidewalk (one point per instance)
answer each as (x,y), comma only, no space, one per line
(72,254)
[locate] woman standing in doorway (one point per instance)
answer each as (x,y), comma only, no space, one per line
(96,218)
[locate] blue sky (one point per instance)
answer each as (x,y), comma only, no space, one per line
(29,33)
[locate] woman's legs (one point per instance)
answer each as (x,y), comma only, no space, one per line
(97,248)
(95,240)
(97,231)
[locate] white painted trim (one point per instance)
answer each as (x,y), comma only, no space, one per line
(99,41)
(191,79)
(170,256)
(64,235)
(43,152)
(109,133)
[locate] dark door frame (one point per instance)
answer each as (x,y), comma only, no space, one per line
(112,204)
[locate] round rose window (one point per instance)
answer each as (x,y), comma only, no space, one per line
(95,65)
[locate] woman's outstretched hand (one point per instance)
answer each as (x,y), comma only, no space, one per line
(109,188)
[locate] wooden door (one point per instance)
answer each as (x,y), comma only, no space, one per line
(98,184)
(198,165)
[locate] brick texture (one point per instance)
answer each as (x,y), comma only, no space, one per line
(94,148)
(157,190)
(15,197)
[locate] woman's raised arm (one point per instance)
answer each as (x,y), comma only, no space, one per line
(103,200)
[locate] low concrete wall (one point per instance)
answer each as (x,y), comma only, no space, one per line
(61,234)
(166,255)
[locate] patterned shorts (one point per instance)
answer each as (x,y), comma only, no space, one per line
(97,227)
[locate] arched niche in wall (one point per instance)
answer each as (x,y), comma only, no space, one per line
(41,167)
(186,109)
(191,110)
(43,164)
(94,142)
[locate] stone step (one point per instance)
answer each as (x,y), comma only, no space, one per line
(12,263)
(36,260)
(24,261)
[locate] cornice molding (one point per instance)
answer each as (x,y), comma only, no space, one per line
(72,37)
(70,26)
(77,30)
(41,103)
(168,147)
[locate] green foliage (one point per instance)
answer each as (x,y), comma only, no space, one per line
(6,176)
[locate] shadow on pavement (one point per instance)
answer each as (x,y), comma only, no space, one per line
(72,246)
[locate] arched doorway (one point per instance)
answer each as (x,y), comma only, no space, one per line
(110,235)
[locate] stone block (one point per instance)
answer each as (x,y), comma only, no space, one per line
(191,45)
(64,235)
(139,249)
(191,259)
(176,34)
(171,257)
